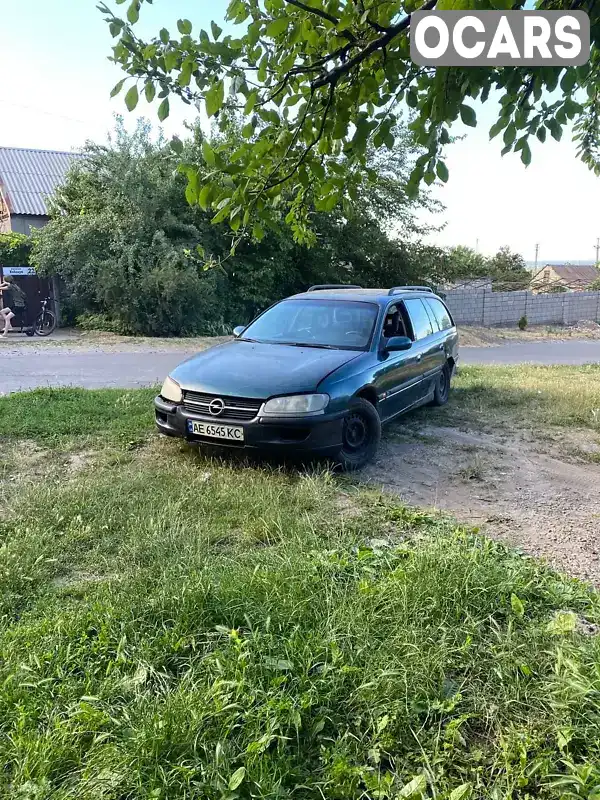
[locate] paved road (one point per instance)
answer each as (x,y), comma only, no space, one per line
(580,351)
(23,368)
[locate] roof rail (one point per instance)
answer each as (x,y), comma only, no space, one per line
(396,289)
(333,286)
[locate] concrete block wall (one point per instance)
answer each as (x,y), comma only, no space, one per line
(482,307)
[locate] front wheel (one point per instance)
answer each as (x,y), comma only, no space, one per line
(361,435)
(45,324)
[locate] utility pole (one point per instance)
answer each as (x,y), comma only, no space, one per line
(598,251)
(537,250)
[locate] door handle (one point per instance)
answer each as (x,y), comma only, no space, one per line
(441,346)
(419,357)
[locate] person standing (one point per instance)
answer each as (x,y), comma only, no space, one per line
(6,313)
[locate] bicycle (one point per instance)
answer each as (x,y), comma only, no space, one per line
(45,322)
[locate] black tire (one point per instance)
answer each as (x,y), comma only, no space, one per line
(361,435)
(442,387)
(45,324)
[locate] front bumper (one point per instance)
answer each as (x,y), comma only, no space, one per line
(319,434)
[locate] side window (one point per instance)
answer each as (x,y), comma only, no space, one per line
(394,324)
(441,313)
(421,324)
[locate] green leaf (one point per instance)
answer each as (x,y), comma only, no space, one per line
(163,109)
(277,27)
(214,98)
(517,606)
(564,622)
(496,128)
(442,171)
(208,153)
(237,778)
(131,98)
(526,154)
(541,133)
(204,197)
(568,81)
(279,663)
(193,188)
(510,134)
(133,12)
(251,102)
(118,88)
(164,36)
(177,145)
(150,91)
(184,26)
(555,129)
(258,232)
(216,31)
(414,788)
(468,116)
(461,792)
(247,130)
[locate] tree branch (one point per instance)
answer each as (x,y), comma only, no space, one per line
(377,44)
(318,11)
(324,15)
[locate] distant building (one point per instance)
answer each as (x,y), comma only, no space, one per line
(27,179)
(564,278)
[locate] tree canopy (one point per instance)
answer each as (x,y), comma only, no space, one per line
(320,79)
(137,258)
(506,270)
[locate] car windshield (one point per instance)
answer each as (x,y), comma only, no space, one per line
(339,324)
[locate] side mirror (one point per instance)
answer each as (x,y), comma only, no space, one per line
(397,343)
(239,330)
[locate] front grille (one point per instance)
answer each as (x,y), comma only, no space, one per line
(235,407)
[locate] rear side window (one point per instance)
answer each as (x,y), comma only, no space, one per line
(441,314)
(421,324)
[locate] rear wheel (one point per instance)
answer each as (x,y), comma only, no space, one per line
(45,324)
(361,435)
(442,387)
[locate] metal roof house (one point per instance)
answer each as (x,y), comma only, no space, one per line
(565,277)
(27,179)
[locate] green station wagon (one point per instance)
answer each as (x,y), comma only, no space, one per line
(316,373)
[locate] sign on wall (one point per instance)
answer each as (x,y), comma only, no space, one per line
(18,270)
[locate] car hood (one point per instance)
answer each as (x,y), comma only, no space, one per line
(248,369)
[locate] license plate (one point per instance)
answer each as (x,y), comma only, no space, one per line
(231,432)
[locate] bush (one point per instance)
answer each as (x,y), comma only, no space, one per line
(15,249)
(522,323)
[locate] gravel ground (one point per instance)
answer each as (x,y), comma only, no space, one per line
(522,488)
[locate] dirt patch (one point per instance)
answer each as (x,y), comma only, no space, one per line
(523,489)
(478,336)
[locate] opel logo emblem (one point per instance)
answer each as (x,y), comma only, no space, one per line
(216,406)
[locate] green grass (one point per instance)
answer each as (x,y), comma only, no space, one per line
(178,627)
(525,396)
(58,417)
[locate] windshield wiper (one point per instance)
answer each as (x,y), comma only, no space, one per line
(310,344)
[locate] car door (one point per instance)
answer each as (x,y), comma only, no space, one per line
(397,377)
(428,344)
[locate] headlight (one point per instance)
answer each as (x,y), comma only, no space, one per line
(296,404)
(171,391)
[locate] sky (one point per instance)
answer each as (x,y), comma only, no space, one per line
(56,82)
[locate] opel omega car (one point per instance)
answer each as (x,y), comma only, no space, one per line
(316,373)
